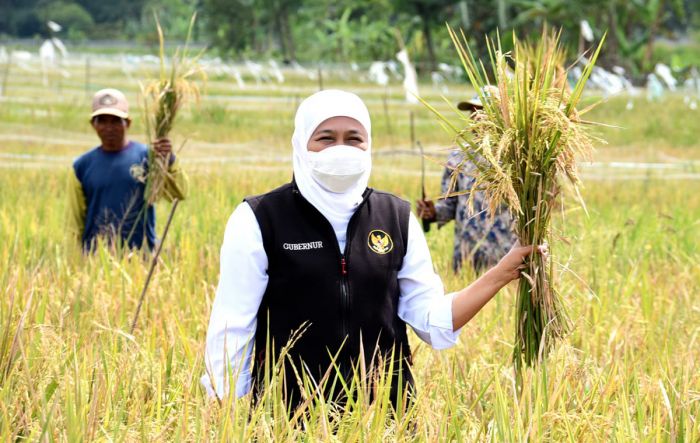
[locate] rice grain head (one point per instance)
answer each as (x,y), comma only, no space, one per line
(525,142)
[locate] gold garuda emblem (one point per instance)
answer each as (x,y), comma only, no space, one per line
(380,242)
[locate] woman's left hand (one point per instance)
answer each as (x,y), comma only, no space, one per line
(471,299)
(510,266)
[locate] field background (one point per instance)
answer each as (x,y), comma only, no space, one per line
(69,370)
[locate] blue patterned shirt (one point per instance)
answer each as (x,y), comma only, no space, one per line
(480,240)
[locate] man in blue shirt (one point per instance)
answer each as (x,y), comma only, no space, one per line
(107,184)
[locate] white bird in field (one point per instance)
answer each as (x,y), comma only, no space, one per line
(655,89)
(377,73)
(256,70)
(410,81)
(60,46)
(236,73)
(276,72)
(586,31)
(692,83)
(55,27)
(664,72)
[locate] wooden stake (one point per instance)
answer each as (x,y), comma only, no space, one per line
(6,74)
(413,129)
(385,101)
(87,77)
(153,266)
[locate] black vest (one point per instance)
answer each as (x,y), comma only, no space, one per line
(347,300)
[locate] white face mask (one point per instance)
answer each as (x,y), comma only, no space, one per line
(338,168)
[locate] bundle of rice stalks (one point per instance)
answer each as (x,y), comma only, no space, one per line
(524,144)
(163,98)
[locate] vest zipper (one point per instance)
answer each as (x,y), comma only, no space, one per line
(345,301)
(344,297)
(344,279)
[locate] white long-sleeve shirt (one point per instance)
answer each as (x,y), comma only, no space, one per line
(243,281)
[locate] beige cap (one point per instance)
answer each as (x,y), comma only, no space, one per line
(110,102)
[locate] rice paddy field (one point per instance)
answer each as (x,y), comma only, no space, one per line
(629,273)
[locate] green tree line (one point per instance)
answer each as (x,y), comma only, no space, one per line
(360,30)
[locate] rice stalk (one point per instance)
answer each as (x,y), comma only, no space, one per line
(163,98)
(524,144)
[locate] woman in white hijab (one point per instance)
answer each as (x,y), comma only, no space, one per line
(347,265)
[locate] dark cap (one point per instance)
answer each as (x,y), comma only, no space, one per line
(473,104)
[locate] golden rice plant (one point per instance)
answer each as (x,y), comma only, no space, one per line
(524,144)
(163,98)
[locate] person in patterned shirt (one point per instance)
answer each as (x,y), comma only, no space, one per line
(479,239)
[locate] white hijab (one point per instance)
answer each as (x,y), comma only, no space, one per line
(319,107)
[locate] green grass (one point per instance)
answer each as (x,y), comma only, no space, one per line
(628,372)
